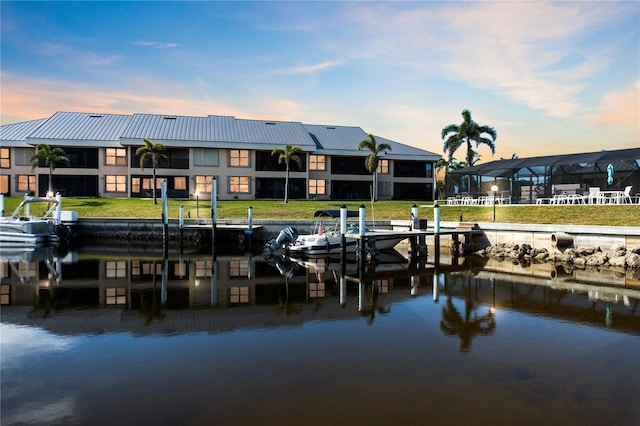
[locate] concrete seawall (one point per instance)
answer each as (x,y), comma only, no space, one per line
(235,231)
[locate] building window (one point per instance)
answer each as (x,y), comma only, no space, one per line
(204,268)
(238,268)
(115,156)
(239,157)
(317,187)
(5,294)
(384,189)
(203,184)
(316,290)
(116,296)
(140,268)
(317,162)
(26,183)
(152,268)
(383,167)
(205,157)
(180,183)
(115,183)
(239,184)
(239,295)
(22,156)
(5,158)
(180,269)
(4,184)
(115,269)
(4,269)
(382,286)
(27,269)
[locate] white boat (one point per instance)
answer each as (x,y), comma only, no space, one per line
(330,241)
(21,228)
(326,240)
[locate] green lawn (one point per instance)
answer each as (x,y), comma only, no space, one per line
(622,215)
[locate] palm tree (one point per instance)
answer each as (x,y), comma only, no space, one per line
(469,131)
(45,156)
(371,162)
(447,166)
(155,153)
(285,155)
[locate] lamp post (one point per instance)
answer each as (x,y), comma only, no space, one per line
(494,189)
(198,204)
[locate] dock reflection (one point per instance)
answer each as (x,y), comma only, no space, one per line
(186,293)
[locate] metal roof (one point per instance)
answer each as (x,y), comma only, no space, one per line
(15,135)
(216,131)
(338,139)
(400,151)
(76,128)
(213,131)
(505,168)
(344,140)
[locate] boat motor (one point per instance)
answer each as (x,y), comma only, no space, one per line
(286,236)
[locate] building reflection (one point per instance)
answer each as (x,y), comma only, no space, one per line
(204,293)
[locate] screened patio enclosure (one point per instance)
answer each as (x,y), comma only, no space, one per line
(525,179)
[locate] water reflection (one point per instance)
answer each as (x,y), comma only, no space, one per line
(153,286)
(242,339)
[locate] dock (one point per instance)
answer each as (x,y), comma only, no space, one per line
(418,240)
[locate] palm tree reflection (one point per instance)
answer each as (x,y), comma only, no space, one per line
(370,311)
(469,325)
(151,310)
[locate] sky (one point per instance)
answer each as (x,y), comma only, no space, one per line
(549,77)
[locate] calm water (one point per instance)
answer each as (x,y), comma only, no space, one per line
(97,338)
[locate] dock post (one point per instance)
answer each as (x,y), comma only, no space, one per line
(250,221)
(214,208)
(362,248)
(181,226)
(343,284)
(343,231)
(436,233)
(165,216)
(248,233)
(58,206)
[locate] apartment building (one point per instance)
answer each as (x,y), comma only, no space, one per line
(236,152)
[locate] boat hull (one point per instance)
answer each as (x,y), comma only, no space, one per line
(30,232)
(320,245)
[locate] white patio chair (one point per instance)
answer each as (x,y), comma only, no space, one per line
(626,196)
(594,195)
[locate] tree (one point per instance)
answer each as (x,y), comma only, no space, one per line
(447,166)
(45,156)
(153,152)
(469,131)
(286,155)
(371,162)
(454,135)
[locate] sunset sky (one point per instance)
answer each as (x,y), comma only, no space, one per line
(550,77)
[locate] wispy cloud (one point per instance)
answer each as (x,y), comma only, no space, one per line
(66,54)
(155,44)
(532,53)
(28,99)
(312,69)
